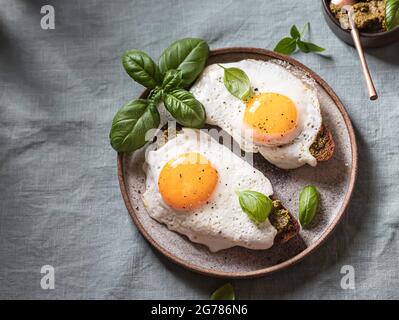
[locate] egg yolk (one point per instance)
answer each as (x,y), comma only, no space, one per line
(188,181)
(271,116)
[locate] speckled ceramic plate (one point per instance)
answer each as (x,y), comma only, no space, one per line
(334,179)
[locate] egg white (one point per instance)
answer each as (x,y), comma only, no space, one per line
(220,223)
(227,112)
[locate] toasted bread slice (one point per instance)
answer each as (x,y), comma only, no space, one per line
(323,146)
(287,226)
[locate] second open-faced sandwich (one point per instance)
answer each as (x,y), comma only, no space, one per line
(277,115)
(199,188)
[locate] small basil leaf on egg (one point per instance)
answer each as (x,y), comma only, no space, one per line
(255,204)
(237,83)
(308,203)
(225,292)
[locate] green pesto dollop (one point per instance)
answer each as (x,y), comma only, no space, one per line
(369,15)
(280,217)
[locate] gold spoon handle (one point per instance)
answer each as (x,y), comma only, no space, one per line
(356,39)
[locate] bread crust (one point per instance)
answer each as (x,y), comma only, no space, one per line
(287,226)
(286,235)
(323,146)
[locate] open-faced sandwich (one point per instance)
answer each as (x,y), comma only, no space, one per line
(201,189)
(277,115)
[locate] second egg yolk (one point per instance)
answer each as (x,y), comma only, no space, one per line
(187,181)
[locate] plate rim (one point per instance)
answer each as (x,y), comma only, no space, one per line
(300,256)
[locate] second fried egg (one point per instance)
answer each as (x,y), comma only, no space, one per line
(281,120)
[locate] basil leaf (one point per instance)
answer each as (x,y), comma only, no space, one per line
(286,46)
(188,55)
(391,13)
(295,32)
(131,124)
(182,105)
(314,47)
(255,204)
(172,79)
(237,82)
(155,96)
(303,46)
(141,68)
(225,292)
(307,47)
(308,202)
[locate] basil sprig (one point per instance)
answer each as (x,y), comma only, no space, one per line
(308,203)
(237,83)
(288,45)
(391,13)
(225,292)
(179,65)
(255,204)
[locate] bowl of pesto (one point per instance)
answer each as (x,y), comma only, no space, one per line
(376,20)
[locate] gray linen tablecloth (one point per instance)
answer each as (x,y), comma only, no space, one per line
(60,203)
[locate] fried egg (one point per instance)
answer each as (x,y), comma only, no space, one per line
(281,120)
(191,185)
